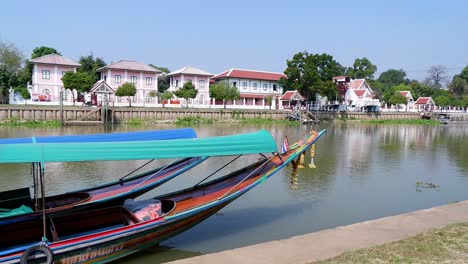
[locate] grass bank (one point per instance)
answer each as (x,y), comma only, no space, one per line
(29,123)
(400,121)
(446,245)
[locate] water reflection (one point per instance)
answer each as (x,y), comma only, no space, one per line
(361,172)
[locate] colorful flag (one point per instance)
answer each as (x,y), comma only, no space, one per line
(285,147)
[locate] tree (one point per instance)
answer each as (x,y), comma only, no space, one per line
(393,77)
(187,91)
(307,73)
(10,66)
(362,69)
(90,65)
(127,89)
(398,99)
(442,100)
(23,91)
(436,76)
(389,93)
(79,81)
(163,79)
(224,91)
(166,95)
(458,86)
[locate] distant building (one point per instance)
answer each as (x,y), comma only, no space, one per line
(254,87)
(199,78)
(357,94)
(409,100)
(291,99)
(47,78)
(144,76)
(425,104)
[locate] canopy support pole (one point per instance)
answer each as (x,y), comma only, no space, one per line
(153,174)
(246,177)
(41,175)
(217,170)
(136,169)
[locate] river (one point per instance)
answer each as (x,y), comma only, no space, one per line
(362,172)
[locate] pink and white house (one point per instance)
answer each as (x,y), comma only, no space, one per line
(425,104)
(145,78)
(356,93)
(199,78)
(254,87)
(47,78)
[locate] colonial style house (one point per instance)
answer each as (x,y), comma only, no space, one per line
(357,94)
(199,78)
(47,78)
(145,78)
(254,87)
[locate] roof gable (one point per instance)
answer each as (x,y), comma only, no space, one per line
(292,96)
(101,87)
(55,59)
(130,65)
(356,84)
(190,70)
(250,74)
(425,100)
(360,92)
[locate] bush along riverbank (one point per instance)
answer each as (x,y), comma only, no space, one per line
(14,122)
(446,245)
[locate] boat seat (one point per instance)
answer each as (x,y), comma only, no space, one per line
(15,198)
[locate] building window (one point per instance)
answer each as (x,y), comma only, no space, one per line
(117,79)
(119,99)
(63,73)
(149,80)
(244,85)
(176,83)
(65,94)
(201,84)
(134,99)
(234,84)
(133,79)
(265,86)
(45,74)
(255,86)
(149,99)
(274,87)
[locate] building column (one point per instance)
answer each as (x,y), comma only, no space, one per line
(244,100)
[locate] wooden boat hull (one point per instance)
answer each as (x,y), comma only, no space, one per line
(192,206)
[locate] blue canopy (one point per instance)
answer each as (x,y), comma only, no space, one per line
(182,133)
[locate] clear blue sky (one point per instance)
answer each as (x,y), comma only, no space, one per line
(262,35)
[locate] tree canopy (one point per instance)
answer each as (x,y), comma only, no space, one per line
(10,69)
(436,76)
(398,99)
(458,86)
(79,81)
(166,95)
(42,51)
(393,77)
(224,91)
(308,73)
(362,69)
(127,89)
(187,91)
(90,65)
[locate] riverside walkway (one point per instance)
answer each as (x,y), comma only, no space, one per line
(333,242)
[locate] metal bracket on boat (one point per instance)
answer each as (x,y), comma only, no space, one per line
(217,170)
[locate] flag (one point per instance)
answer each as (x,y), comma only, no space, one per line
(285,147)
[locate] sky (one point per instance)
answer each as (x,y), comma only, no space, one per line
(259,35)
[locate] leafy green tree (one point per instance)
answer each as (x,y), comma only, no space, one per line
(127,89)
(23,91)
(464,74)
(42,51)
(79,81)
(10,66)
(362,69)
(307,73)
(187,91)
(393,77)
(90,65)
(458,86)
(163,79)
(224,91)
(396,89)
(165,96)
(442,100)
(398,99)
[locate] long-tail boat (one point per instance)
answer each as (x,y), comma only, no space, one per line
(18,204)
(100,236)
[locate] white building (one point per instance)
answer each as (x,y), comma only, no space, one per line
(199,78)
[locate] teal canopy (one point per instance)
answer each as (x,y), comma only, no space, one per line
(250,143)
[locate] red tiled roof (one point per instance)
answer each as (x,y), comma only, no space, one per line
(404,93)
(250,74)
(289,94)
(356,84)
(423,100)
(359,92)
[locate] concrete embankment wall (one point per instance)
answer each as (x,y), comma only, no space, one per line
(28,112)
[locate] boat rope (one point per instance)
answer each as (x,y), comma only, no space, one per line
(246,177)
(136,169)
(217,170)
(154,174)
